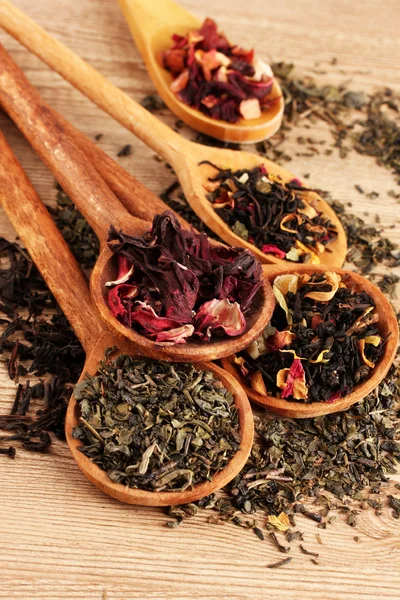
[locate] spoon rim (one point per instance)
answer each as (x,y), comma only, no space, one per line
(191,352)
(298,409)
(131,495)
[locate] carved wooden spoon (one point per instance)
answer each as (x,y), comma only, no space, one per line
(388,328)
(152,24)
(91,195)
(183,155)
(68,284)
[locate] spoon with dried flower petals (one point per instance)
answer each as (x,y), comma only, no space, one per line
(152,25)
(51,255)
(184,156)
(87,189)
(388,330)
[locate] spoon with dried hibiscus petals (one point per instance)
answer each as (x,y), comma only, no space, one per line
(216,87)
(306,229)
(168,290)
(332,339)
(176,482)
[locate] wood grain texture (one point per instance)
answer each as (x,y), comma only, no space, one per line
(63,539)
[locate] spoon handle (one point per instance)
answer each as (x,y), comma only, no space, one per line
(92,84)
(47,247)
(138,200)
(68,163)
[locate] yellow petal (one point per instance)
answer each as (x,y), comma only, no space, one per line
(287,219)
(281,378)
(281,522)
(361,346)
(294,354)
(308,210)
(375,340)
(320,358)
(300,389)
(332,279)
(313,256)
(257,383)
(286,283)
(240,362)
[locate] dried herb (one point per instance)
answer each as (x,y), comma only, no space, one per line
(375,131)
(125,150)
(278,218)
(152,103)
(280,563)
(156,426)
(36,347)
(173,285)
(323,340)
(222,80)
(75,229)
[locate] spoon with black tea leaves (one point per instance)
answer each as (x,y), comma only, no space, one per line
(388,330)
(52,256)
(80,180)
(184,156)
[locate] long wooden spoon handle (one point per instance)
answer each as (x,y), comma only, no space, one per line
(92,84)
(138,200)
(47,247)
(74,172)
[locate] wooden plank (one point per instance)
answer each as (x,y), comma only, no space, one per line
(62,538)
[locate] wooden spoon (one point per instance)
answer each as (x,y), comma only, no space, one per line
(183,155)
(68,284)
(152,24)
(101,208)
(387,326)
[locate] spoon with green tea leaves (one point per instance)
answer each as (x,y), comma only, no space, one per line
(142,453)
(214,86)
(168,291)
(332,339)
(307,218)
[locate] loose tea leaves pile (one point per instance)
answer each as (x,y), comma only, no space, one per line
(156,426)
(35,347)
(369,124)
(278,218)
(317,467)
(75,229)
(222,80)
(323,340)
(174,285)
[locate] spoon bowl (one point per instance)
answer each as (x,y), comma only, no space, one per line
(52,256)
(184,156)
(79,178)
(195,191)
(167,498)
(152,24)
(256,321)
(388,328)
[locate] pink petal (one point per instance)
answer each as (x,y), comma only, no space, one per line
(271,249)
(220,314)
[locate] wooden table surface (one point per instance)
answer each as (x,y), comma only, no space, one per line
(60,538)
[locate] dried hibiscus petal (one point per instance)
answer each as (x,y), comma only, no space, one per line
(176,283)
(125,270)
(220,314)
(271,249)
(221,80)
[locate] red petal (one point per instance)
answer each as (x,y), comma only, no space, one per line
(271,249)
(145,315)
